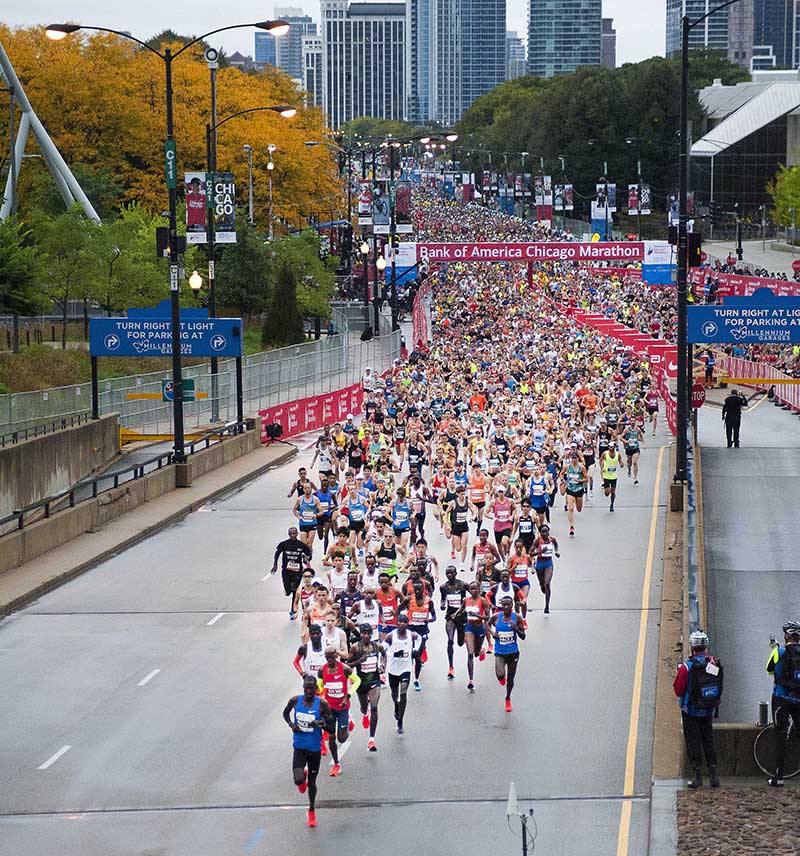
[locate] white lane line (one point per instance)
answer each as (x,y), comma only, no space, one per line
(215,619)
(147,678)
(53,758)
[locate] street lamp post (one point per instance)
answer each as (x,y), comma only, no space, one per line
(249,150)
(636,141)
(683,246)
(392,237)
(562,161)
(364,250)
(270,167)
(523,155)
(56,32)
(284,110)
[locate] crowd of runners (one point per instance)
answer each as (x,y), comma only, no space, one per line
(495,440)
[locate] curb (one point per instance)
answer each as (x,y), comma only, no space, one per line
(54,582)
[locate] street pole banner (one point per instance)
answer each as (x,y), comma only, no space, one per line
(225,208)
(195,183)
(365,205)
(402,208)
(763,318)
(602,202)
(563,197)
(380,208)
(638,203)
(542,251)
(543,189)
(148,333)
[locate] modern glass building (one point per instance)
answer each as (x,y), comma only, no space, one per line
(264,48)
(711,34)
(563,35)
(483,41)
(286,52)
(773,27)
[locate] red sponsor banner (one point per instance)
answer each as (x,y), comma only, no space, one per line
(309,414)
(629,273)
(542,251)
(735,285)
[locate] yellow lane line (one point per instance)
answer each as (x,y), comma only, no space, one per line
(636,698)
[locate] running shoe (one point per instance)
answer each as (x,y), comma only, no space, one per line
(471,686)
(371,747)
(312,818)
(365,720)
(304,786)
(292,615)
(350,724)
(775,782)
(547,610)
(424,656)
(399,728)
(572,530)
(324,748)
(335,770)
(451,673)
(482,655)
(611,507)
(452,554)
(636,481)
(501,681)
(489,649)
(417,687)
(508,705)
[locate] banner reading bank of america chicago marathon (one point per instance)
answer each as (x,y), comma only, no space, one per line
(550,251)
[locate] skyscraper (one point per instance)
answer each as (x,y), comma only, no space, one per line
(264,48)
(312,70)
(516,62)
(740,33)
(608,57)
(363,60)
(286,52)
(483,47)
(419,32)
(774,32)
(711,34)
(563,35)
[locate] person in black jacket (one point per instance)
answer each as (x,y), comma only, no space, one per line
(295,555)
(732,416)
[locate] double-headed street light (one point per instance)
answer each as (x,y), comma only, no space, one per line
(56,32)
(684,361)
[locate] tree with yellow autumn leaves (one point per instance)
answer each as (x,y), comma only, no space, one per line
(101,99)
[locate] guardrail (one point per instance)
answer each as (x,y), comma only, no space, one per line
(21,516)
(692,572)
(23,434)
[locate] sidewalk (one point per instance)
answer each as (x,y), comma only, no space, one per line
(775,261)
(21,585)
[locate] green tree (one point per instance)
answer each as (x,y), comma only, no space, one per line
(284,322)
(65,243)
(122,269)
(785,192)
(314,276)
(22,273)
(103,187)
(243,271)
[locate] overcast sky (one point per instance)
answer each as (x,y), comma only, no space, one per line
(639,23)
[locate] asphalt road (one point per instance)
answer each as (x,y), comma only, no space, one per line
(165,671)
(751,495)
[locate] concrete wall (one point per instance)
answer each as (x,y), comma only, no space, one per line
(34,469)
(17,548)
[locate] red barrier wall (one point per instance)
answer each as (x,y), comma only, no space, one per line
(308,414)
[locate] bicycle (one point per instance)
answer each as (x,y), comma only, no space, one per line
(764,751)
(764,747)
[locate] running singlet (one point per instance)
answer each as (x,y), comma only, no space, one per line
(538,495)
(502,515)
(546,551)
(506,642)
(574,479)
(334,686)
(370,615)
(308,512)
(308,737)
(475,612)
(358,509)
(398,653)
(519,569)
(401,514)
(314,660)
(418,613)
(326,501)
(610,465)
(389,603)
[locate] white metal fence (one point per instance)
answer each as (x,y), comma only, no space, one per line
(269,378)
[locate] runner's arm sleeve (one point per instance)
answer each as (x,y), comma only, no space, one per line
(681,679)
(774,656)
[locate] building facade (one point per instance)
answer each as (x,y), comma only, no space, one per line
(608,54)
(419,32)
(516,59)
(312,70)
(483,48)
(363,60)
(774,29)
(740,33)
(563,35)
(264,50)
(711,34)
